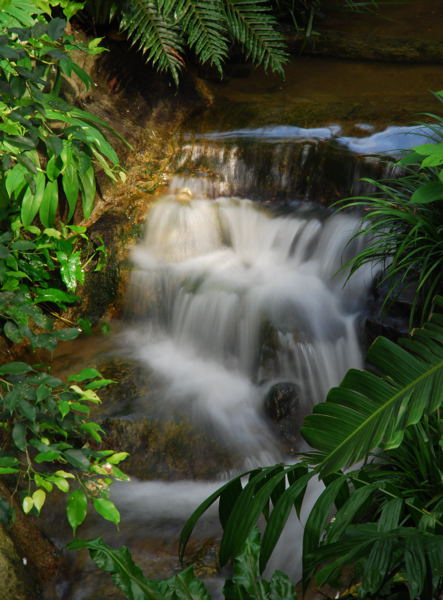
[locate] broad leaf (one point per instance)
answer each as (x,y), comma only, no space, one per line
(370,409)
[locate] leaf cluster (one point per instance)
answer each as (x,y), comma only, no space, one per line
(44,430)
(48,152)
(48,147)
(163,29)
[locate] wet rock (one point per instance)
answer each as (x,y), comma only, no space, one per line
(166,450)
(282,407)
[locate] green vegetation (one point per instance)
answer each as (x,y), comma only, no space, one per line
(48,149)
(404,222)
(170,32)
(163,30)
(387,502)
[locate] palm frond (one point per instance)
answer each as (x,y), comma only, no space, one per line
(204,24)
(250,23)
(373,408)
(155,34)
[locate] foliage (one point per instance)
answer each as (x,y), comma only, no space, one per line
(394,406)
(48,150)
(163,29)
(43,426)
(47,146)
(404,222)
(245,584)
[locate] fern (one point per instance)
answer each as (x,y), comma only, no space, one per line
(154,33)
(204,24)
(162,29)
(250,23)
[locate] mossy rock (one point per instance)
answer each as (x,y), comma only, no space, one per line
(166,450)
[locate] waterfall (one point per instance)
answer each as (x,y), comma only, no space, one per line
(286,164)
(231,298)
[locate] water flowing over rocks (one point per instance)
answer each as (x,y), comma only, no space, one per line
(235,307)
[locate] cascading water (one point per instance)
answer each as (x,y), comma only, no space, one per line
(237,299)
(229,298)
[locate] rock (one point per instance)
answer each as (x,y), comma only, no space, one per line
(27,557)
(16,580)
(282,407)
(166,450)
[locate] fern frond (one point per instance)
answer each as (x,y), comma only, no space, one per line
(204,24)
(250,23)
(155,34)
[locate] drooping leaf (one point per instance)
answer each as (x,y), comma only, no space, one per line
(107,509)
(76,509)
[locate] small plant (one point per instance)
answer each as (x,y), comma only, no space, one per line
(403,220)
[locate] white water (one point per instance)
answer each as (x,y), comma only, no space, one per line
(229,299)
(232,299)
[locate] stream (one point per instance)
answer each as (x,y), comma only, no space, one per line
(238,287)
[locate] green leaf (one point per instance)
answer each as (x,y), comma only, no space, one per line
(15,180)
(8,470)
(12,332)
(38,499)
(43,483)
(70,269)
(48,456)
(200,510)
(67,334)
(155,34)
(280,514)
(56,28)
(49,204)
(59,482)
(87,183)
(117,458)
(76,509)
(55,295)
(15,368)
(27,410)
(77,458)
(369,409)
(71,187)
(430,192)
(87,373)
(106,509)
(31,201)
(27,504)
(125,573)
